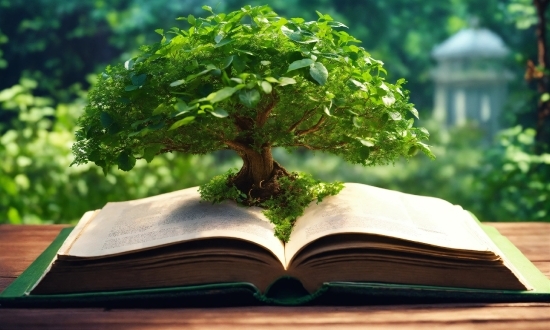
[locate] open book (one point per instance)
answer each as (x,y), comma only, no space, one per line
(363,234)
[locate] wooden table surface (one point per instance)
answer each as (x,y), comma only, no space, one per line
(20,245)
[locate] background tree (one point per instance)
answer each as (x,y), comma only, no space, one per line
(539,73)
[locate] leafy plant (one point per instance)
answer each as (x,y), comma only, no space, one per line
(249,81)
(516,183)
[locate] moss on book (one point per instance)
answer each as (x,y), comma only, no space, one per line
(296,192)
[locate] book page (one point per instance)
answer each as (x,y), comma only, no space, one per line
(360,208)
(164,219)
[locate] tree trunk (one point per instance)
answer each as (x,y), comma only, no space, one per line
(257,166)
(259,174)
(543,107)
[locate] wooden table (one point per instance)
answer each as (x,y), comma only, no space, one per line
(20,245)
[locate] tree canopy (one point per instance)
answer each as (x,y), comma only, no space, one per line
(248,81)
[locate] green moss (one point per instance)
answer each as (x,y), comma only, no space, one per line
(297,191)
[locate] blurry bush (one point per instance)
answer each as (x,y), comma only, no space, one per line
(58,42)
(514,181)
(38,186)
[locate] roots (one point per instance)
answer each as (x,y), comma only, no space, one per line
(264,189)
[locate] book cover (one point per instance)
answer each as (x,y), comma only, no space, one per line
(285,291)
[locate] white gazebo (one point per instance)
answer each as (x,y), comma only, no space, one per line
(470,79)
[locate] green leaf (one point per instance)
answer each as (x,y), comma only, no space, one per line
(130,88)
(227,62)
(191,19)
(412,151)
(221,95)
(354,84)
(395,115)
(139,122)
(182,122)
(223,42)
(366,143)
(139,80)
(151,151)
(126,161)
(183,108)
(177,83)
(356,122)
(129,65)
(424,130)
(319,73)
(301,36)
(239,63)
(106,119)
(208,8)
(249,97)
(266,87)
(332,56)
(388,100)
(299,64)
(414,112)
(283,81)
(220,113)
(205,107)
(327,111)
(271,80)
(193,76)
(335,24)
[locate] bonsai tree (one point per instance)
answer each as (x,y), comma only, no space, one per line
(251,81)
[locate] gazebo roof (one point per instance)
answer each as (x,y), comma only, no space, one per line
(471,43)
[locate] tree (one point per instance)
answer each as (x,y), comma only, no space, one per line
(540,74)
(249,81)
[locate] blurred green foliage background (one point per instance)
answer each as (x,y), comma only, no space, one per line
(50,52)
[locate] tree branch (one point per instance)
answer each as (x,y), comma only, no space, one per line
(311,147)
(237,145)
(243,123)
(315,128)
(305,117)
(262,116)
(307,146)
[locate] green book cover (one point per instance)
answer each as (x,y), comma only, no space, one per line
(285,291)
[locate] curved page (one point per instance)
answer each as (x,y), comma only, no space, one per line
(361,208)
(124,227)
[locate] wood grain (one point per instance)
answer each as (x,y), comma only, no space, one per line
(20,245)
(529,316)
